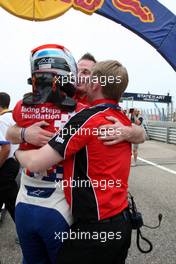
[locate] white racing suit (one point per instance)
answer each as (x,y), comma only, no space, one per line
(42,212)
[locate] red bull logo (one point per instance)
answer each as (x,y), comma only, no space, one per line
(136,9)
(90,6)
(87,6)
(131,6)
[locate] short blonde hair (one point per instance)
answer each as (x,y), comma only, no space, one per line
(115,77)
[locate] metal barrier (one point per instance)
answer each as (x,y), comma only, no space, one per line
(172,135)
(164,134)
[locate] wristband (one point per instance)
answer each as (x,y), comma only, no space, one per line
(22,134)
(4,142)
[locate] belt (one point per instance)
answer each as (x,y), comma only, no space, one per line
(124,214)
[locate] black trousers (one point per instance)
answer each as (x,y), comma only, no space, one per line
(99,242)
(8,185)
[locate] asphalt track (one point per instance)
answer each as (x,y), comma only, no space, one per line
(153,183)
